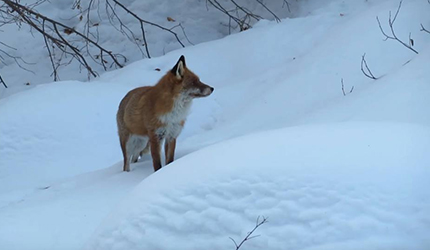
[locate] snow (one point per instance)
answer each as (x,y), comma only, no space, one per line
(277,138)
(333,186)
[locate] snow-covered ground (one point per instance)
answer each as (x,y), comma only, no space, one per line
(342,186)
(277,138)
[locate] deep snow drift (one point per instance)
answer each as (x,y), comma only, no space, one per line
(346,186)
(339,172)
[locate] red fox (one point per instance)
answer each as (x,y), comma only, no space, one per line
(149,115)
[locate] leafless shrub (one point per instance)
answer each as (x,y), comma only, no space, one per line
(65,44)
(57,36)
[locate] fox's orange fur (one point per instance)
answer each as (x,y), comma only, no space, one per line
(147,116)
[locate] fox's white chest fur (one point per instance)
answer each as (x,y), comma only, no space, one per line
(173,121)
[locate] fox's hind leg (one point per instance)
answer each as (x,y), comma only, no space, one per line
(135,145)
(145,150)
(123,138)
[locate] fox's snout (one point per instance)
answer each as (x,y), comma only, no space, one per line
(207,91)
(202,91)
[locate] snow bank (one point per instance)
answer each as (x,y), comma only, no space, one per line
(337,186)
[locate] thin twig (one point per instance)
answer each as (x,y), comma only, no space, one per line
(18,60)
(6,45)
(240,15)
(148,22)
(343,88)
(133,38)
(393,35)
(185,34)
(243,25)
(2,81)
(365,67)
(271,12)
(51,58)
(249,235)
(76,54)
(285,2)
(424,29)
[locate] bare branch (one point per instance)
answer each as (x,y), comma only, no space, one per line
(123,26)
(235,244)
(8,46)
(54,38)
(365,68)
(393,35)
(148,22)
(240,15)
(249,235)
(3,82)
(271,12)
(424,29)
(185,34)
(285,2)
(343,88)
(242,22)
(18,60)
(76,53)
(51,58)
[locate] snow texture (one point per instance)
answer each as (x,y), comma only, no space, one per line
(322,187)
(277,138)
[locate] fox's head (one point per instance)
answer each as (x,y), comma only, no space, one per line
(187,82)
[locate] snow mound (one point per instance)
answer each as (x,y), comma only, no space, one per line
(334,186)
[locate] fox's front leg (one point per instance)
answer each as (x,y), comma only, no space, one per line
(169,149)
(155,152)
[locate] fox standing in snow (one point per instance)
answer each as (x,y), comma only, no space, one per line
(149,115)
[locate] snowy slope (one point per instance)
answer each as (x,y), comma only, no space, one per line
(60,170)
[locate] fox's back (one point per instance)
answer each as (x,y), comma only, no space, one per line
(130,109)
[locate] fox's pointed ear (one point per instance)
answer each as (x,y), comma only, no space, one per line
(179,68)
